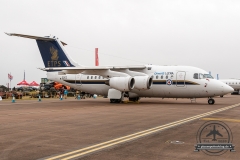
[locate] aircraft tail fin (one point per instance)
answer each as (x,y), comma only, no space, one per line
(52,51)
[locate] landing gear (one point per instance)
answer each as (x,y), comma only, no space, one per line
(115,100)
(211,101)
(221,96)
(133,99)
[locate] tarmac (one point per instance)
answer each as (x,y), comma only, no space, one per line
(88,129)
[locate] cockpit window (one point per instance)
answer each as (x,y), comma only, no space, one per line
(201,76)
(195,76)
(208,76)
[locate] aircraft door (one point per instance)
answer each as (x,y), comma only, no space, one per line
(78,79)
(180,79)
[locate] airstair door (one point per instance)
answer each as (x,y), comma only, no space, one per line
(180,79)
(78,79)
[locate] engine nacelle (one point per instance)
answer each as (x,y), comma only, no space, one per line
(121,83)
(143,82)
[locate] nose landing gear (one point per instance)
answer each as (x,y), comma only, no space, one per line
(211,101)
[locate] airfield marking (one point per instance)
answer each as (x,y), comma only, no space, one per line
(221,119)
(100,146)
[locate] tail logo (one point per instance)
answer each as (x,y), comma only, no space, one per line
(54,53)
(54,58)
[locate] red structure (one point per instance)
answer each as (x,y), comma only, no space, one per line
(33,84)
(96,57)
(23,83)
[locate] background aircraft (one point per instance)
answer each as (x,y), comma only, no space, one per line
(234,83)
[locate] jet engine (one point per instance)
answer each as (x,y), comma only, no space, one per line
(121,83)
(143,82)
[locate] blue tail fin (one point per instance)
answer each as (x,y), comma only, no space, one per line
(52,54)
(52,51)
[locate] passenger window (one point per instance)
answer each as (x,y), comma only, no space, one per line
(156,77)
(99,77)
(95,77)
(161,77)
(91,77)
(87,77)
(195,76)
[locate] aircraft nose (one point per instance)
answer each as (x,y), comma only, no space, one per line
(228,89)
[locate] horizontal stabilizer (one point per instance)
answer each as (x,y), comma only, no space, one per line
(47,38)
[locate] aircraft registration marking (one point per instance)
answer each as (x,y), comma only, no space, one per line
(104,145)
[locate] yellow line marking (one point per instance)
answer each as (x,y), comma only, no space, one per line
(74,154)
(221,119)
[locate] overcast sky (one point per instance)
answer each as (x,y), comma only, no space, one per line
(205,34)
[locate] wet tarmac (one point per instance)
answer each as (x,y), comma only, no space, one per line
(154,128)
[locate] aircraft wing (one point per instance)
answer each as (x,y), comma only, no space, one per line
(96,68)
(105,71)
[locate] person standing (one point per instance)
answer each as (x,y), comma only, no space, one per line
(61,92)
(65,93)
(77,94)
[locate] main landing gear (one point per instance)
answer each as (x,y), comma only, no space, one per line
(211,101)
(115,100)
(134,99)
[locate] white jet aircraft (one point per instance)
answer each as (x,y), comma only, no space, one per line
(234,83)
(133,82)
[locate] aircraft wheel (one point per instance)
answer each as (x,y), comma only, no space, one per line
(211,101)
(221,96)
(134,99)
(131,99)
(115,100)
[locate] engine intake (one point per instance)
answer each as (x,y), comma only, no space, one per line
(143,82)
(121,83)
